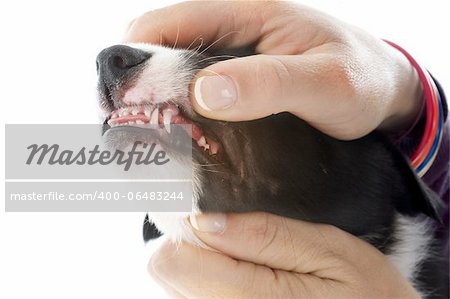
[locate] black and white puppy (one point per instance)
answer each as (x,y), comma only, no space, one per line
(280,165)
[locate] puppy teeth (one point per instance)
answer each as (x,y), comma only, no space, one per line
(139,122)
(135,111)
(147,112)
(167,117)
(202,143)
(154,117)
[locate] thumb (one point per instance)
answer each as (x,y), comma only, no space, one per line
(260,85)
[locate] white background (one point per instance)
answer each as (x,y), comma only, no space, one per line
(47,75)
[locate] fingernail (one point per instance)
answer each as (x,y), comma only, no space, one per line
(215,92)
(209,223)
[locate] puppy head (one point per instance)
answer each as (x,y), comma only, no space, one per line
(140,84)
(143,84)
(278,164)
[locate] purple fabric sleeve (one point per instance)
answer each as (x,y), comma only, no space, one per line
(437,177)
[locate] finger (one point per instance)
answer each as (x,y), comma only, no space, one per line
(282,243)
(257,86)
(171,291)
(199,273)
(234,23)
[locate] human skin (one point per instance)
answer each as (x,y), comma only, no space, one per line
(335,76)
(260,255)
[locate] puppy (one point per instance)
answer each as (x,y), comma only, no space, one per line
(278,164)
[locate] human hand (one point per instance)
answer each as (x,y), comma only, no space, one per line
(261,256)
(338,78)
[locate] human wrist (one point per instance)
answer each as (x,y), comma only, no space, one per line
(425,153)
(408,97)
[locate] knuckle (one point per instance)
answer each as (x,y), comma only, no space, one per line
(263,233)
(332,234)
(342,73)
(335,240)
(271,76)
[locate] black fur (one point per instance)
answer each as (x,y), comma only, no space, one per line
(282,165)
(150,231)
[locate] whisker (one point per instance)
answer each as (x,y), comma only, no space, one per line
(160,38)
(205,165)
(219,39)
(214,171)
(194,52)
(192,42)
(178,34)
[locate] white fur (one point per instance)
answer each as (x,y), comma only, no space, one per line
(176,226)
(162,79)
(413,235)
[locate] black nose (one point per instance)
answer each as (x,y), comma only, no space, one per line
(116,63)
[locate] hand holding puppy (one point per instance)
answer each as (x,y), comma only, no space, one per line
(321,69)
(262,256)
